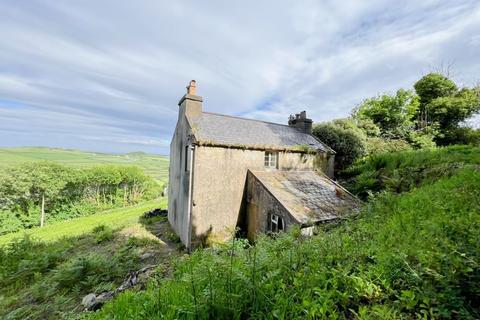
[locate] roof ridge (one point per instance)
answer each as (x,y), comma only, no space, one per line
(249,119)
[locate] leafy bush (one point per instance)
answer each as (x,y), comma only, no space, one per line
(9,222)
(375,146)
(103,233)
(346,143)
(461,135)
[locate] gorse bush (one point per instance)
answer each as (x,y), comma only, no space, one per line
(409,255)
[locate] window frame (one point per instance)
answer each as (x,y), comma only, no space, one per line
(276,223)
(270,159)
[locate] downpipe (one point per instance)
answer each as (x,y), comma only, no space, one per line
(191,151)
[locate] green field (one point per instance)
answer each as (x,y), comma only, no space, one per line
(154,165)
(115,219)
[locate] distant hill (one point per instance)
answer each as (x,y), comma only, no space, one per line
(154,165)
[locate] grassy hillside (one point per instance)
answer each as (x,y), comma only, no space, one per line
(46,275)
(412,253)
(402,171)
(154,165)
(115,218)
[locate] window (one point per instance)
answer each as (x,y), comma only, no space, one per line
(186,159)
(271,159)
(276,223)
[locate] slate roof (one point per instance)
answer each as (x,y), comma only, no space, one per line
(308,196)
(217,129)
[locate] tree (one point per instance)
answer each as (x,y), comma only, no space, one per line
(449,111)
(444,107)
(39,183)
(347,143)
(391,114)
(432,86)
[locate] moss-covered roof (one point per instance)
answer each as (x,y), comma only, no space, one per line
(309,196)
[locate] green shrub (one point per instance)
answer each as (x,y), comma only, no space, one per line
(9,222)
(347,144)
(375,146)
(462,135)
(103,233)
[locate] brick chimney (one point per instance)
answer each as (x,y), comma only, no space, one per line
(301,122)
(191,104)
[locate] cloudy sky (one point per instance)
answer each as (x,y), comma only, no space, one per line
(107,75)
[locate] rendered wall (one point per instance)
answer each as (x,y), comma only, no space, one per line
(178,185)
(260,205)
(219,186)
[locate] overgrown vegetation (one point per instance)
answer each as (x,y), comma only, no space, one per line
(402,171)
(412,253)
(47,280)
(432,115)
(38,193)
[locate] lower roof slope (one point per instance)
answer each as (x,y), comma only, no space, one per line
(309,196)
(216,129)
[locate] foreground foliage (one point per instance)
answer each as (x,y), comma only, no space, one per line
(47,280)
(409,255)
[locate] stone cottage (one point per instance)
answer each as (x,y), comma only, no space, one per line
(229,172)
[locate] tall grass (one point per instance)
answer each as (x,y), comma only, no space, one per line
(412,255)
(47,280)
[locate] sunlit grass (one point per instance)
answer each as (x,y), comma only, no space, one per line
(115,219)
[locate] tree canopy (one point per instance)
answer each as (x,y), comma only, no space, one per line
(32,193)
(434,113)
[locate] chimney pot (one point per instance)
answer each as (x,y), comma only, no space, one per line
(192,88)
(190,104)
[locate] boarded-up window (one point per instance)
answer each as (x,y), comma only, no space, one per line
(271,159)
